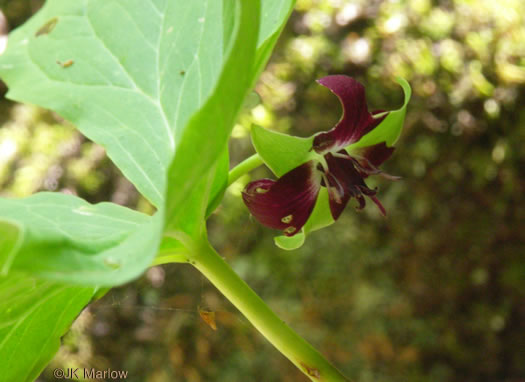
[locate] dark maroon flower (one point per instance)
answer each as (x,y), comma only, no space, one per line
(286,204)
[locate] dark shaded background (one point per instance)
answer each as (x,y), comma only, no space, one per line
(434,292)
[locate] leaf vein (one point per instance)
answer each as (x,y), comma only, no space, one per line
(112,54)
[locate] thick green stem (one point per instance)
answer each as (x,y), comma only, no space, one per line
(295,348)
(245,166)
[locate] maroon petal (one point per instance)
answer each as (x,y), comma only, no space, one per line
(285,204)
(343,175)
(375,155)
(356,120)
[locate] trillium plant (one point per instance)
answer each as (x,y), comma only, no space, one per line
(159,84)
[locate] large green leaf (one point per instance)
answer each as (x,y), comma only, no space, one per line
(128,73)
(11,237)
(67,239)
(274,14)
(131,83)
(207,133)
(34,314)
(193,169)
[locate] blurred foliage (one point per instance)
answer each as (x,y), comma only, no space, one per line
(435,292)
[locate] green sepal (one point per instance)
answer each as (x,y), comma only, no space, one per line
(389,130)
(281,152)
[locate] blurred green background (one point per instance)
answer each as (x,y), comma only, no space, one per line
(434,292)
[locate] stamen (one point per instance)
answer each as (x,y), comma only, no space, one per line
(332,191)
(367,191)
(389,177)
(287,219)
(366,160)
(336,195)
(323,163)
(340,190)
(368,171)
(344,156)
(261,190)
(373,170)
(362,202)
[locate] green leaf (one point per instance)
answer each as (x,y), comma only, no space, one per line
(67,239)
(220,182)
(390,129)
(34,315)
(191,173)
(131,83)
(134,95)
(171,250)
(281,152)
(138,70)
(150,81)
(208,131)
(11,237)
(274,14)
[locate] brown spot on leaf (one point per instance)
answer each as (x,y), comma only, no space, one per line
(311,371)
(111,264)
(47,27)
(66,64)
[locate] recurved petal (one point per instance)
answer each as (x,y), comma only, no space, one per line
(374,155)
(356,120)
(285,204)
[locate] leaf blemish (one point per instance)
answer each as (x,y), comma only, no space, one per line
(111,263)
(83,211)
(208,317)
(66,64)
(47,27)
(311,371)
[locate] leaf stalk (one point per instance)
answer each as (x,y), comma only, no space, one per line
(244,167)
